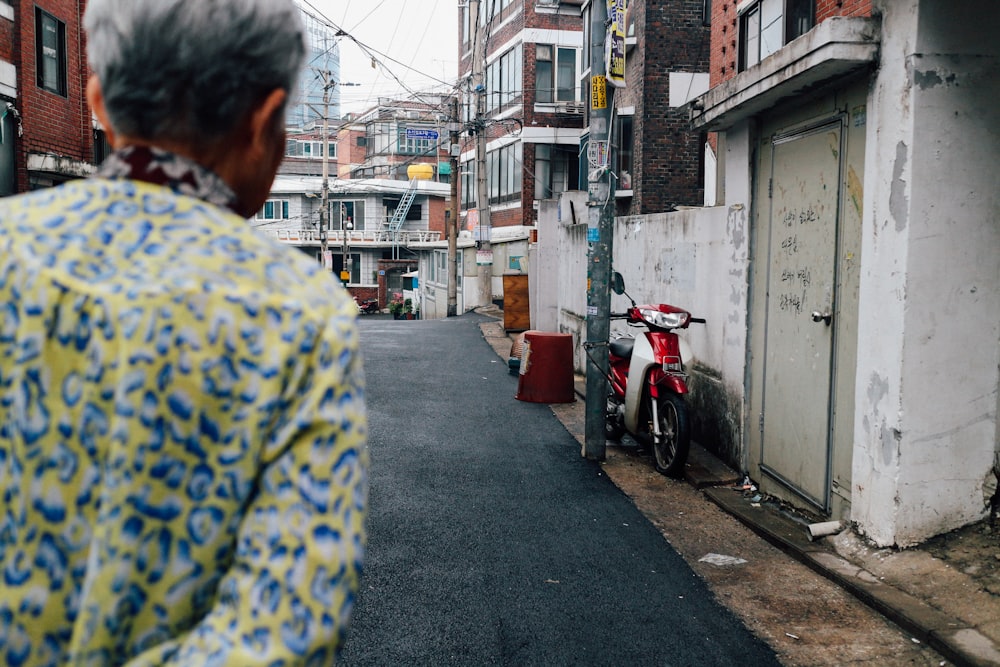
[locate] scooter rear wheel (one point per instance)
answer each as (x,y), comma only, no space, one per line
(670,449)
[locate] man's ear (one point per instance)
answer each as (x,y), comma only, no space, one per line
(95,98)
(264,119)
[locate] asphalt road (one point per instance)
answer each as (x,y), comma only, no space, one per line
(492,542)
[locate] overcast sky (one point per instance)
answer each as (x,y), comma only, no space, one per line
(421,35)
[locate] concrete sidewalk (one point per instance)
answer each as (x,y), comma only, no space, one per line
(940,605)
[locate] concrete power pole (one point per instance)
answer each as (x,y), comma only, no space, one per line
(484,257)
(453,222)
(324,206)
(600,235)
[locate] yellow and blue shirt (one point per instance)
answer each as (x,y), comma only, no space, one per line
(183,465)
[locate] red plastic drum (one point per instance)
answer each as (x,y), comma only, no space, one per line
(546,374)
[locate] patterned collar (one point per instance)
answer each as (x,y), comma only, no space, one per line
(159,167)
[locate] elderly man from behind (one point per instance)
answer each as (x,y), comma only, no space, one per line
(182,427)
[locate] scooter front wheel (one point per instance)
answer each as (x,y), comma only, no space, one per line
(670,447)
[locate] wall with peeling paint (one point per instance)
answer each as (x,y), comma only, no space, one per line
(695,259)
(926,398)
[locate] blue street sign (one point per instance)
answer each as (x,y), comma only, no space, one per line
(412,133)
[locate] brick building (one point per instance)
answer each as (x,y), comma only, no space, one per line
(531,104)
(47,134)
(857,148)
(657,158)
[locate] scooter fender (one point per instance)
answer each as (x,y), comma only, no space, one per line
(642,361)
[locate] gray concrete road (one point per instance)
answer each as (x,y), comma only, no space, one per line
(494,543)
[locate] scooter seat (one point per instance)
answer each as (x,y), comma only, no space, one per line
(622,347)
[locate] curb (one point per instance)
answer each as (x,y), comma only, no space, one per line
(953,638)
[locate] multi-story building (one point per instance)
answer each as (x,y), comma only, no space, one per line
(529,106)
(858,145)
(397,134)
(387,187)
(47,134)
(657,160)
(320,74)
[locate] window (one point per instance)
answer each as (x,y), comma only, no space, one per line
(377,139)
(503,80)
(50,52)
(503,173)
(623,155)
(767,25)
(556,170)
(309,149)
(555,74)
(353,264)
(468,184)
(274,209)
(102,149)
(415,145)
(349,210)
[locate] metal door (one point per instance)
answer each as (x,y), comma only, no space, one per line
(804,196)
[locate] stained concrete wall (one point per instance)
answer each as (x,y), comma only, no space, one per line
(695,259)
(926,398)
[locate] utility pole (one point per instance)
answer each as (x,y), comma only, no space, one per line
(324,206)
(600,236)
(453,223)
(484,255)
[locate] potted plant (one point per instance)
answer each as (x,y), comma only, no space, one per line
(396,306)
(408,309)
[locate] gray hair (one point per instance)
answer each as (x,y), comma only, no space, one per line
(189,70)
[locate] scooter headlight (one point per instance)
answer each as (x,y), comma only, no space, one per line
(664,320)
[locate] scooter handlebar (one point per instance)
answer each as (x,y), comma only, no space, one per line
(697,320)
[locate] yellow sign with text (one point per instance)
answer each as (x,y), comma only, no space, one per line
(598,92)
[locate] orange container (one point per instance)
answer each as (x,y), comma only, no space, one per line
(546,374)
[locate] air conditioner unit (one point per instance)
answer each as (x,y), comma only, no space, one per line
(413,115)
(570,108)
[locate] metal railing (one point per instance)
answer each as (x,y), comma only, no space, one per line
(311,237)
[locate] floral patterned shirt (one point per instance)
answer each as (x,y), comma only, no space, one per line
(183,465)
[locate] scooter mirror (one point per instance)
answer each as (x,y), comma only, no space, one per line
(617,283)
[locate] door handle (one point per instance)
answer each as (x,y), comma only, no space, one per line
(822,317)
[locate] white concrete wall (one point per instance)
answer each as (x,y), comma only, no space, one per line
(695,259)
(926,397)
(543,274)
(572,305)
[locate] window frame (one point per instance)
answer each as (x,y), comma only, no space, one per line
(795,18)
(624,151)
(60,86)
(504,180)
(339,207)
(553,92)
(503,79)
(407,146)
(314,151)
(272,203)
(555,162)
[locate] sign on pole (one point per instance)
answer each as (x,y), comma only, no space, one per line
(615,52)
(598,92)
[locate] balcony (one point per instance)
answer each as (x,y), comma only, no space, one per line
(835,48)
(355,238)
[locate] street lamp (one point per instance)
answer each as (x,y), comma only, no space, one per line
(345,275)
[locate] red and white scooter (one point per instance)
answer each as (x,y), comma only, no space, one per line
(647,382)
